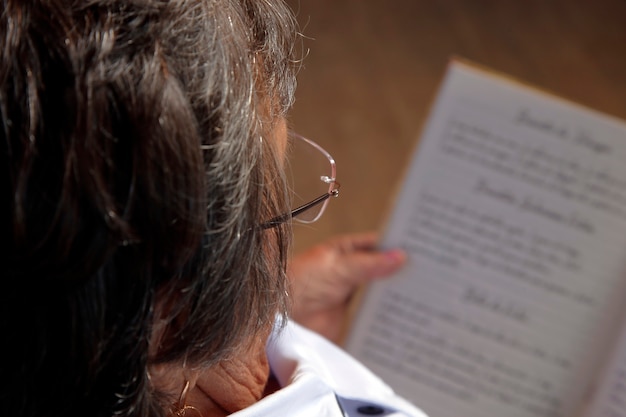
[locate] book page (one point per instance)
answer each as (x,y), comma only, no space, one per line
(610,400)
(513,215)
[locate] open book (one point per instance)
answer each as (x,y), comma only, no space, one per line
(513,302)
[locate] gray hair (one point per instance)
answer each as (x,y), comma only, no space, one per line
(136,164)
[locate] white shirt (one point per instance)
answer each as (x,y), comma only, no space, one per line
(321,380)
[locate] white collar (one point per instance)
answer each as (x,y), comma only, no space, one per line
(321,380)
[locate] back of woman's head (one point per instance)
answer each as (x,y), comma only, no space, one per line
(133,170)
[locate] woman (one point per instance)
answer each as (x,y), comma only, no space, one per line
(142,150)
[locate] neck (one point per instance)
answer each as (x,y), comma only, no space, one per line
(219,390)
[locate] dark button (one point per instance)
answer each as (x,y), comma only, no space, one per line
(370,410)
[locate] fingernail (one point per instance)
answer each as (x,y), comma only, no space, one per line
(395,256)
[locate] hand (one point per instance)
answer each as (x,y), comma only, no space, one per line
(325,277)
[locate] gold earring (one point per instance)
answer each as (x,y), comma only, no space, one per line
(182,407)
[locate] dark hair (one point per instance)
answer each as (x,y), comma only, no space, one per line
(133,174)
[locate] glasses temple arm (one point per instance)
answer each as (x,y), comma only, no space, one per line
(287,216)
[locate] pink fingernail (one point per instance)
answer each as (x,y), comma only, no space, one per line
(395,255)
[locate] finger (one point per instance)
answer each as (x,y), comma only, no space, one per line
(360,267)
(356,242)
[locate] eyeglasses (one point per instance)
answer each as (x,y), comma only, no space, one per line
(314,184)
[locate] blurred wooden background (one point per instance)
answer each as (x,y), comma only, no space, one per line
(373,68)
